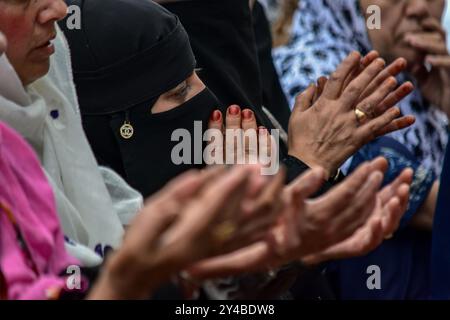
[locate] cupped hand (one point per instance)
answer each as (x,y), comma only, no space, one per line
(392,203)
(198,215)
(342,223)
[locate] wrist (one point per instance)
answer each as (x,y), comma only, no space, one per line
(121,279)
(330,171)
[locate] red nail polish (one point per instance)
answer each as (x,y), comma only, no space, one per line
(234,110)
(216,115)
(247,114)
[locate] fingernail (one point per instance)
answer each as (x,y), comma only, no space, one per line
(234,110)
(262,130)
(392,82)
(247,114)
(216,115)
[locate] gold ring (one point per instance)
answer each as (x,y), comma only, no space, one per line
(390,236)
(224,231)
(360,115)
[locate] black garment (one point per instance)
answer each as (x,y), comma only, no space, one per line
(233,47)
(128,53)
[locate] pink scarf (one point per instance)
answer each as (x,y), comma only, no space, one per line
(25,193)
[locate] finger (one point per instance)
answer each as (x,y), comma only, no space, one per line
(358,211)
(337,79)
(251,259)
(389,191)
(257,183)
(215,131)
(365,62)
(429,42)
(214,203)
(396,125)
(368,131)
(394,97)
(286,236)
(269,199)
(248,120)
(360,83)
(265,144)
(369,104)
(433,24)
(304,100)
(369,58)
(307,184)
(391,219)
(321,83)
(186,185)
(233,136)
(360,243)
(233,117)
(147,227)
(379,164)
(403,194)
(250,128)
(216,120)
(371,237)
(391,70)
(332,200)
(437,61)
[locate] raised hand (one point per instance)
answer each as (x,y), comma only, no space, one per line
(326,131)
(235,138)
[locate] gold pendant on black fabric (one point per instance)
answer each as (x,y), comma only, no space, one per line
(127,130)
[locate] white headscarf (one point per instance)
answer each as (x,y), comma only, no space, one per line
(93,203)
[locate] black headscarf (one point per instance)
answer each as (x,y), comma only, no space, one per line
(232,45)
(125,55)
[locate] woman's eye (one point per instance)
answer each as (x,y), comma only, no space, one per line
(182,92)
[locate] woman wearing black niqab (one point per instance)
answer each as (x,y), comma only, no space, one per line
(146,53)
